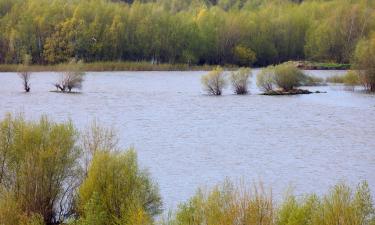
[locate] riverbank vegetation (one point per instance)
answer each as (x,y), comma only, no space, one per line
(50,173)
(199,32)
(229,204)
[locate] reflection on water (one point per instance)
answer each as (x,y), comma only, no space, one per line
(188,139)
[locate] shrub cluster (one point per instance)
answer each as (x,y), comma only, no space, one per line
(285,76)
(47,177)
(229,204)
(215,81)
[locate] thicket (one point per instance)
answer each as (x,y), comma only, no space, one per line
(229,204)
(242,32)
(52,174)
(49,175)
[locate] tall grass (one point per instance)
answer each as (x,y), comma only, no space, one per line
(112,66)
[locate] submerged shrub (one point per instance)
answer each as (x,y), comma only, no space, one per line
(24,73)
(117,191)
(240,80)
(312,81)
(214,81)
(351,79)
(288,77)
(338,79)
(364,62)
(266,79)
(72,78)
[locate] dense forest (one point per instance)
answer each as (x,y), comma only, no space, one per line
(241,32)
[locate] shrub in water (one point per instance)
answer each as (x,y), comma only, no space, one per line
(240,80)
(72,78)
(288,77)
(214,82)
(266,79)
(364,62)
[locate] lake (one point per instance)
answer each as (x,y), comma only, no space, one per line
(188,139)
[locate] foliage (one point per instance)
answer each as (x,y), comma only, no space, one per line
(116,190)
(39,164)
(311,80)
(266,78)
(351,78)
(71,78)
(287,76)
(229,204)
(240,80)
(242,32)
(339,206)
(214,81)
(364,62)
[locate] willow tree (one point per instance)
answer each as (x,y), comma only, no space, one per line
(38,169)
(364,62)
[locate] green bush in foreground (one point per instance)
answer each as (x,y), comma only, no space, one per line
(47,176)
(228,204)
(39,167)
(116,191)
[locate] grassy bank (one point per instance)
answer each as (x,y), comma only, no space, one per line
(307,65)
(112,66)
(147,66)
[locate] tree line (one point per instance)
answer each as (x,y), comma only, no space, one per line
(241,32)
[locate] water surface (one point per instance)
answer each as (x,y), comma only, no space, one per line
(188,139)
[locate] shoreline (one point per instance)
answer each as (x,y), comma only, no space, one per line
(146,66)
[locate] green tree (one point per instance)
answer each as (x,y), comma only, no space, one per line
(117,189)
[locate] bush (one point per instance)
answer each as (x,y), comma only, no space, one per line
(312,81)
(117,191)
(214,81)
(288,77)
(364,63)
(266,79)
(338,79)
(240,80)
(72,78)
(39,162)
(350,79)
(339,206)
(226,204)
(24,73)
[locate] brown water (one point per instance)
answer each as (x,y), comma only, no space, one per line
(188,139)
